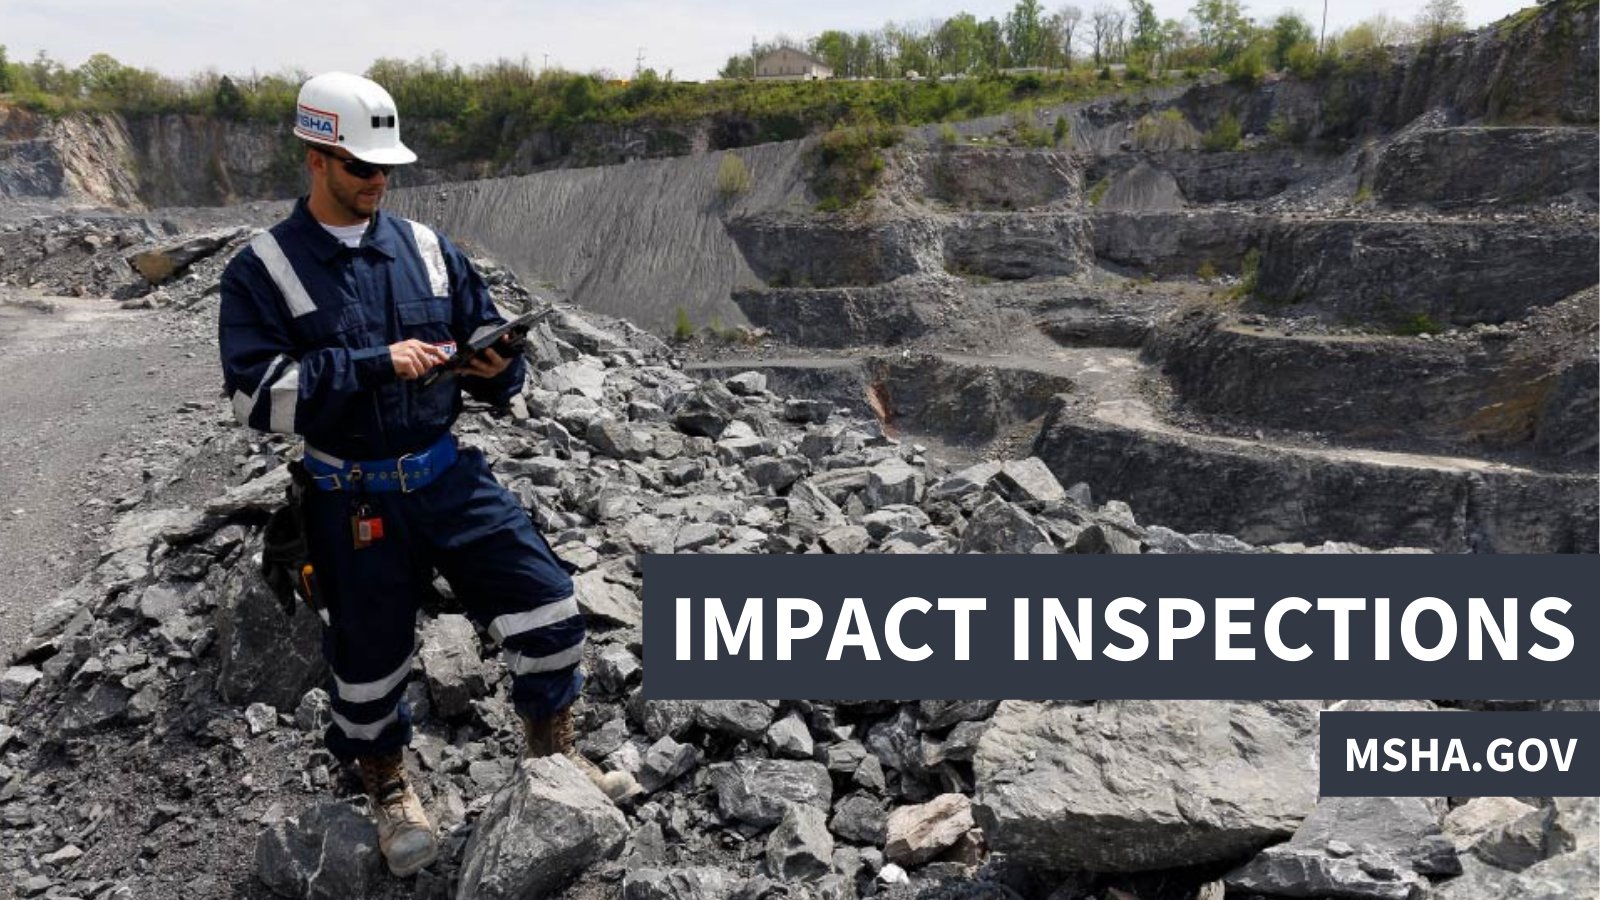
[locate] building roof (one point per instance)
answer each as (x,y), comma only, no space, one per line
(798,52)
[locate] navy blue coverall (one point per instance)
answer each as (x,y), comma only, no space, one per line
(304,330)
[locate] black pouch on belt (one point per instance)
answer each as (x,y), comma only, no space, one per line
(285,555)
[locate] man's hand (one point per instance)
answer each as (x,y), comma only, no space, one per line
(487,363)
(413,358)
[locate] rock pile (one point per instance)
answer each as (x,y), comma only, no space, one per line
(168,673)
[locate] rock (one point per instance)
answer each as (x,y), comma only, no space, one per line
(16,681)
(607,601)
(698,883)
(265,657)
(703,412)
(1576,824)
(1028,481)
(162,263)
(846,539)
(777,472)
(545,826)
(583,377)
(999,527)
(1570,876)
(747,719)
(1517,844)
(314,712)
(941,714)
(860,818)
(83,713)
(800,848)
(747,384)
(758,791)
(883,522)
(616,669)
(1138,785)
(894,482)
(844,756)
(453,665)
(617,440)
(261,718)
(789,737)
(330,852)
(971,480)
(919,833)
(1405,828)
(665,762)
(1467,823)
(1310,872)
(807,411)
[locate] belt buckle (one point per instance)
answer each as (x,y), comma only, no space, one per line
(400,471)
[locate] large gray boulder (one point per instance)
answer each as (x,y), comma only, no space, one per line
(330,852)
(760,791)
(544,827)
(696,883)
(266,658)
(452,665)
(1137,785)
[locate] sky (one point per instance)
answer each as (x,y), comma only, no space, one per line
(692,38)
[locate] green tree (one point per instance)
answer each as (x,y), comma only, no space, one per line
(1288,30)
(5,71)
(1441,19)
(992,46)
(1146,29)
(1024,31)
(833,48)
(228,101)
(1224,28)
(958,44)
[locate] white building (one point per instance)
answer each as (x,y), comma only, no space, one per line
(787,63)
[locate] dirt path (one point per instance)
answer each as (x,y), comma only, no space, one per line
(98,404)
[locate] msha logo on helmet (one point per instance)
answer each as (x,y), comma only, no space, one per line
(317,124)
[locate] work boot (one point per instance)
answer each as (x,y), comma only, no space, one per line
(548,737)
(404,833)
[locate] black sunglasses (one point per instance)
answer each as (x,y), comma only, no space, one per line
(358,168)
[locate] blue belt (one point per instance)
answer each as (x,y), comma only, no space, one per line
(411,472)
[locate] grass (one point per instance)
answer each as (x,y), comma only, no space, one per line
(1419,324)
(1224,136)
(733,177)
(1250,270)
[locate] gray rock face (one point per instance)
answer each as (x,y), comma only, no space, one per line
(894,483)
(451,663)
(1453,167)
(1174,243)
(1011,246)
(860,818)
(917,834)
(265,658)
(1388,273)
(700,883)
(800,848)
(832,251)
(1000,527)
(1309,872)
(1263,495)
(1127,786)
(541,829)
(617,440)
(607,600)
(844,316)
(998,178)
(759,791)
(664,762)
(329,853)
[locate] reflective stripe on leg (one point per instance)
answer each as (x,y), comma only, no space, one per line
(514,624)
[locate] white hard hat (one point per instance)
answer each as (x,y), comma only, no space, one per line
(337,109)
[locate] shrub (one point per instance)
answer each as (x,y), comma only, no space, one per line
(1062,130)
(1421,323)
(948,135)
(1207,271)
(1249,269)
(682,329)
(1098,191)
(733,178)
(1363,194)
(1224,136)
(847,162)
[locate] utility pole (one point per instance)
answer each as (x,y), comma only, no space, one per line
(546,65)
(1324,35)
(752,57)
(638,63)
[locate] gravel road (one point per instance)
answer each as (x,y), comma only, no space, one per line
(99,406)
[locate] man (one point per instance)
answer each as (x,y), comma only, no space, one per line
(329,320)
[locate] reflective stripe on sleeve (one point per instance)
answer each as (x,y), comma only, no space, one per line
(282,273)
(285,396)
(432,258)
